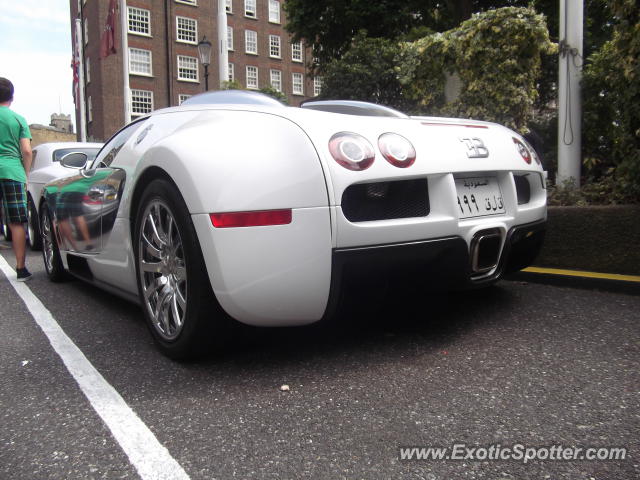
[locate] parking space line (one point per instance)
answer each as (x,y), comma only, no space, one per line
(580,273)
(149,457)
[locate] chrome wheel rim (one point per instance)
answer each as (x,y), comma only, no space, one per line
(30,229)
(162,270)
(47,240)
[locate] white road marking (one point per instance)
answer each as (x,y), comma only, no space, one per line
(149,457)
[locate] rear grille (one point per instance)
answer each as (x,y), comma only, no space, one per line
(365,202)
(523,189)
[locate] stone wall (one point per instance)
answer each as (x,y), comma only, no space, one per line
(42,134)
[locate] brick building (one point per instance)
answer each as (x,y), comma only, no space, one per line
(164,67)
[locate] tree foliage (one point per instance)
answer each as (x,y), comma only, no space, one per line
(329,26)
(496,55)
(612,107)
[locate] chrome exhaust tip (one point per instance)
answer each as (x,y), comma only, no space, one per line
(485,250)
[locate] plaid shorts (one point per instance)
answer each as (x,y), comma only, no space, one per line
(14,197)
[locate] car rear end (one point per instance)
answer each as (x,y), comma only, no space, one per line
(439,202)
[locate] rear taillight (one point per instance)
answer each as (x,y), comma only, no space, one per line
(251,219)
(522,150)
(397,150)
(351,150)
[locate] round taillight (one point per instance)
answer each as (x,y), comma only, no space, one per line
(522,150)
(351,150)
(397,150)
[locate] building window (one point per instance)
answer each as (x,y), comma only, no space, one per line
(182,97)
(250,8)
(251,41)
(232,72)
(274,46)
(252,77)
(141,102)
(229,38)
(317,86)
(186,30)
(187,68)
(138,21)
(140,62)
(89,109)
(296,52)
(229,6)
(276,80)
(188,2)
(85,24)
(274,11)
(88,70)
(298,84)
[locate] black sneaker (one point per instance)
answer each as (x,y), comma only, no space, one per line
(24,275)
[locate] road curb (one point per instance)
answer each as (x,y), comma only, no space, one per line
(628,284)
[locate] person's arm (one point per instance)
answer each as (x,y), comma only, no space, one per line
(27,154)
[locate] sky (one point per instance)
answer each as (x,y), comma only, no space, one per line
(35,54)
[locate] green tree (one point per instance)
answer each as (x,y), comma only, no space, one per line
(612,107)
(367,72)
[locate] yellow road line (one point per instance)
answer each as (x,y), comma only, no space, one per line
(579,273)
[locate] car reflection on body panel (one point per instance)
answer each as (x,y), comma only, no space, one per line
(234,207)
(46,166)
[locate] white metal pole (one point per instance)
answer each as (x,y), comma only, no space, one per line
(569,93)
(79,58)
(223,54)
(125,61)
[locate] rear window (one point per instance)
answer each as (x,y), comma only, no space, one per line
(90,152)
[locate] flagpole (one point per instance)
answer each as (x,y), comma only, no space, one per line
(124,20)
(80,95)
(223,51)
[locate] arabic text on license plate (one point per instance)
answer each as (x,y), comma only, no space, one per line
(479,196)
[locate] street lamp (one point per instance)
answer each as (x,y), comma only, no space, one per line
(204,51)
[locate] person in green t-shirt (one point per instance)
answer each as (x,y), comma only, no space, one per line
(15,163)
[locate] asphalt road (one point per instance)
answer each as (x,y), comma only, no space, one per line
(519,363)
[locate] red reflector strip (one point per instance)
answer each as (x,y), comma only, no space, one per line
(467,125)
(251,219)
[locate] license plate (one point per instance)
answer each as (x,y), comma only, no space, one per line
(479,197)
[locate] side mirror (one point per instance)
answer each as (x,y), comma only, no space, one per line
(74,160)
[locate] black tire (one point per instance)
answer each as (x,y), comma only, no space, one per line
(180,308)
(50,252)
(33,226)
(6,231)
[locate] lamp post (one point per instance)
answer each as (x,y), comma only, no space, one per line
(204,51)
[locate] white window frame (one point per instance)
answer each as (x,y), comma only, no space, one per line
(135,57)
(143,17)
(275,46)
(231,72)
(274,11)
(229,6)
(186,27)
(275,78)
(89,109)
(229,38)
(295,83)
(317,86)
(87,70)
(143,96)
(85,25)
(186,63)
(188,2)
(250,8)
(252,68)
(297,52)
(182,97)
(248,41)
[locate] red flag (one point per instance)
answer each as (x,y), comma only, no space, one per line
(76,78)
(108,38)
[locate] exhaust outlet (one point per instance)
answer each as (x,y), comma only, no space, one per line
(485,250)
